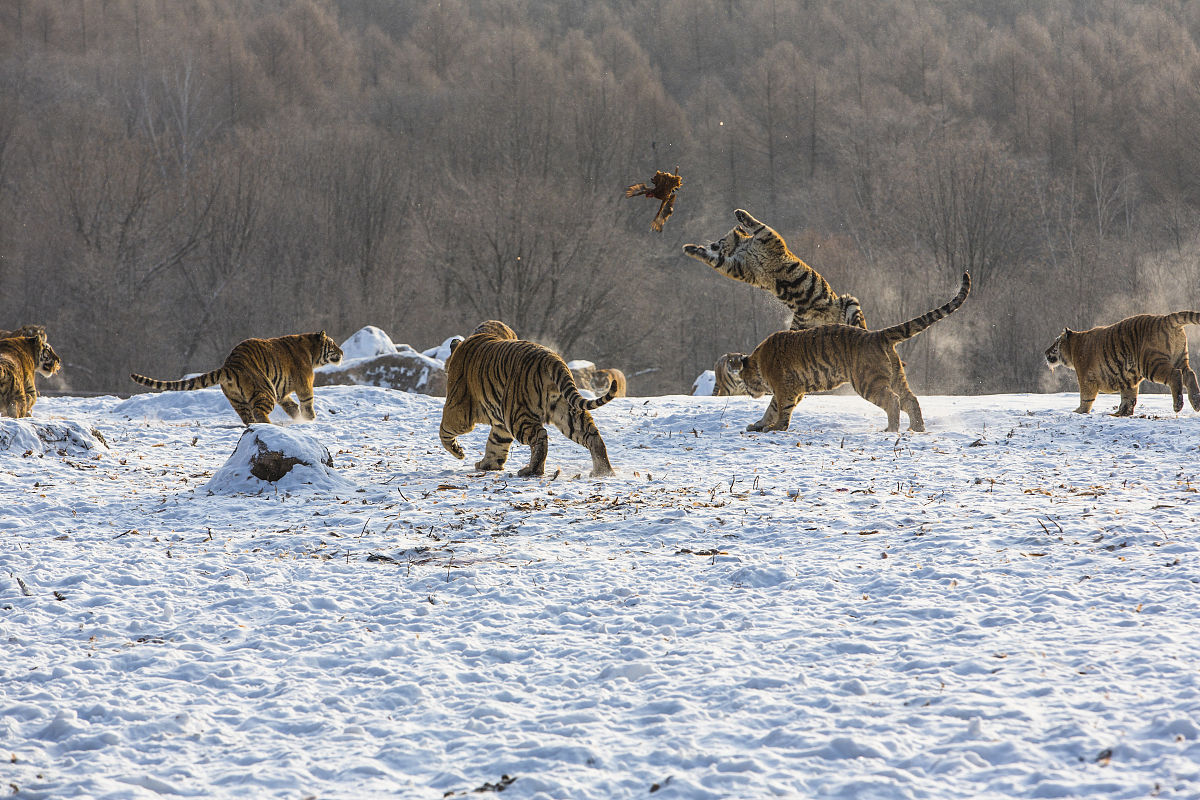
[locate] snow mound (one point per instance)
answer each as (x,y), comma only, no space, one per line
(442,351)
(705,384)
(41,436)
(368,343)
(177,406)
(270,457)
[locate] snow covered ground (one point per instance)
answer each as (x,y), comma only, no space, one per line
(1006,606)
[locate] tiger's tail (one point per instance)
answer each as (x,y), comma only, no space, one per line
(852,313)
(1184,318)
(186,385)
(566,387)
(907,330)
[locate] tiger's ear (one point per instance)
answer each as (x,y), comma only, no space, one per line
(1067,332)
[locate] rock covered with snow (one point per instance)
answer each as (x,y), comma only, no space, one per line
(371,358)
(368,342)
(584,373)
(442,351)
(270,456)
(28,435)
(705,384)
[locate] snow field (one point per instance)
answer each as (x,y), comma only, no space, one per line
(1005,606)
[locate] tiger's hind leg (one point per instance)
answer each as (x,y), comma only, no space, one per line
(251,407)
(496,451)
(907,400)
(530,432)
(1193,390)
(1129,398)
(1175,384)
(580,428)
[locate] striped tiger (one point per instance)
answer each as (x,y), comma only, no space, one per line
(24,330)
(260,374)
(602,379)
(22,357)
(728,384)
(1118,357)
(789,364)
(755,254)
(494,378)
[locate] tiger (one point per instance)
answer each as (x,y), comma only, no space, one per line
(21,357)
(516,386)
(728,384)
(790,363)
(755,254)
(24,330)
(603,378)
(259,374)
(1118,357)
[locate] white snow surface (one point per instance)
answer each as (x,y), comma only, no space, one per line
(1003,607)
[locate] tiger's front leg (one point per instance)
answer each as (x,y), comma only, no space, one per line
(290,407)
(305,395)
(1087,396)
(778,415)
(496,452)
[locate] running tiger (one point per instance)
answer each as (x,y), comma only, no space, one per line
(1118,357)
(21,357)
(728,384)
(755,254)
(791,363)
(260,374)
(494,378)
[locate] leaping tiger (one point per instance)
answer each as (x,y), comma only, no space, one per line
(754,253)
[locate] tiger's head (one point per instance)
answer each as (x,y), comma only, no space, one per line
(494,328)
(48,361)
(327,350)
(749,371)
(1056,354)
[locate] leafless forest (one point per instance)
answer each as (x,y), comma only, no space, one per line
(176,175)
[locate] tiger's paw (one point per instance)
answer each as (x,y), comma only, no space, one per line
(530,472)
(743,217)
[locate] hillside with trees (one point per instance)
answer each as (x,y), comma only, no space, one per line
(176,175)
